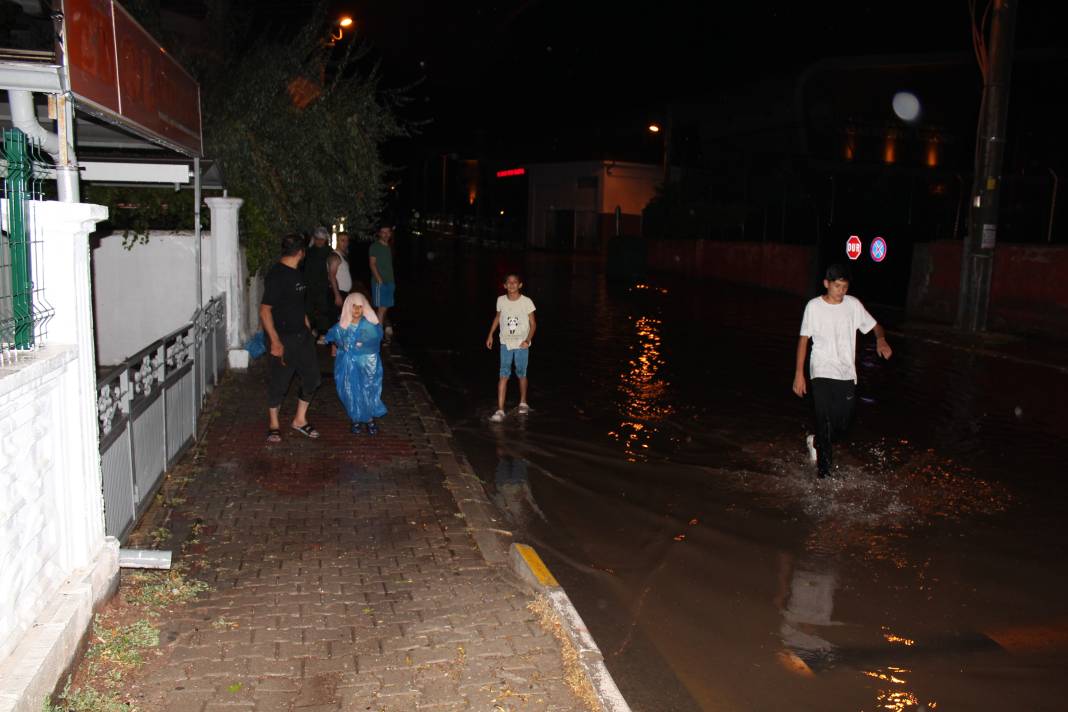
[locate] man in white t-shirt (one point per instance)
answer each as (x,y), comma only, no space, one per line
(515,317)
(831,322)
(337,271)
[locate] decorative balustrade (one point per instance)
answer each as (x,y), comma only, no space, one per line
(147,409)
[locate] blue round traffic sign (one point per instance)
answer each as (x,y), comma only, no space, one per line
(878,249)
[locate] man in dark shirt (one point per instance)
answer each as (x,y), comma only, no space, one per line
(289,333)
(318,297)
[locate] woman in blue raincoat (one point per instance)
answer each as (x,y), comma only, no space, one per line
(358,366)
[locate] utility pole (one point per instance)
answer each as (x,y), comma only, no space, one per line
(444,183)
(977,258)
(667,146)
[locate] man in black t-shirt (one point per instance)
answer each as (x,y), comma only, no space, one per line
(292,346)
(318,298)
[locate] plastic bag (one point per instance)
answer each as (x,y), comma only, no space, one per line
(257,345)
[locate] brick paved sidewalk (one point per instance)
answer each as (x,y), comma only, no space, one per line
(344,576)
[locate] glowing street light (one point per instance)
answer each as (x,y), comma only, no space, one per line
(654,128)
(344,22)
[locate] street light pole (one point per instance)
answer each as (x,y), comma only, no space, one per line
(667,146)
(977,258)
(665,134)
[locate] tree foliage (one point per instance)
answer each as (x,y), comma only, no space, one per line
(295,121)
(136,210)
(297,126)
(690,208)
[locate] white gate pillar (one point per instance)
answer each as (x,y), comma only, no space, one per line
(229,267)
(61,565)
(64,230)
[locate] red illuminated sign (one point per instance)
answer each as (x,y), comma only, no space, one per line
(117,70)
(512,172)
(854,247)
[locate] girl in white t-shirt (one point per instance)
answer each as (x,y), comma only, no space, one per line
(831,322)
(515,317)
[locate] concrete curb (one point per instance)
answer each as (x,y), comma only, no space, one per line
(46,652)
(488,527)
(528,566)
(484,521)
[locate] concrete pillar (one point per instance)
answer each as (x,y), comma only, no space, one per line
(228,271)
(62,545)
(64,231)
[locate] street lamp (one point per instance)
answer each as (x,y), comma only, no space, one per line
(343,23)
(655,128)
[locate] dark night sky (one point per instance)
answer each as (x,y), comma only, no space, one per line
(517,75)
(547,66)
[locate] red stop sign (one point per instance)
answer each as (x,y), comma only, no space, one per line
(853,247)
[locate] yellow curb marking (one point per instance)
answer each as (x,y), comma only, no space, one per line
(537,566)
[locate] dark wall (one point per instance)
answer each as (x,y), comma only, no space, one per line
(1028,292)
(784,268)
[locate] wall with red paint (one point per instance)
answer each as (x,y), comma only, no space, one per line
(1028,291)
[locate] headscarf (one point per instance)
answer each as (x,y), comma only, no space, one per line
(346,310)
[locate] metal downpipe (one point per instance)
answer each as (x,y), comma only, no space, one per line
(24,118)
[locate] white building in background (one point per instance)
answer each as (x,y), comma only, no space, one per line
(577,206)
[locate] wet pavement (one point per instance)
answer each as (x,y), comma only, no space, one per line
(342,574)
(662,475)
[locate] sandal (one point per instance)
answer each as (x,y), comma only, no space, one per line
(274,435)
(306,430)
(356,429)
(372,428)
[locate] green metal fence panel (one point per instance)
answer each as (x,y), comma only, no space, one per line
(24,311)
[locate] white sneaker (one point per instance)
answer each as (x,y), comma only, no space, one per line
(497,417)
(524,408)
(810,443)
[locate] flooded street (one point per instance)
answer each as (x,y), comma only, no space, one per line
(663,476)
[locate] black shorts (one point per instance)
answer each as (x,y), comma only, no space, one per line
(299,357)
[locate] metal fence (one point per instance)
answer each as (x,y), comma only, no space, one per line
(147,409)
(24,311)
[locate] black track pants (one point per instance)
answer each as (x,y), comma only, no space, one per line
(834,401)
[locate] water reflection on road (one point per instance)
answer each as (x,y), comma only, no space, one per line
(642,388)
(662,475)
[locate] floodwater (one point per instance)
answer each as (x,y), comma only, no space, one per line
(662,474)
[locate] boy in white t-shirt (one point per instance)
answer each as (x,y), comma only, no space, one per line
(515,317)
(831,322)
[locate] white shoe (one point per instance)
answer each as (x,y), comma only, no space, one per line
(524,408)
(497,417)
(810,443)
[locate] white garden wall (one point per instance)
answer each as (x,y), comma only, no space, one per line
(55,561)
(143,293)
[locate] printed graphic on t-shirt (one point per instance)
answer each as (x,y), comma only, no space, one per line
(512,324)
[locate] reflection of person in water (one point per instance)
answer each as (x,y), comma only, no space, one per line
(806,599)
(512,483)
